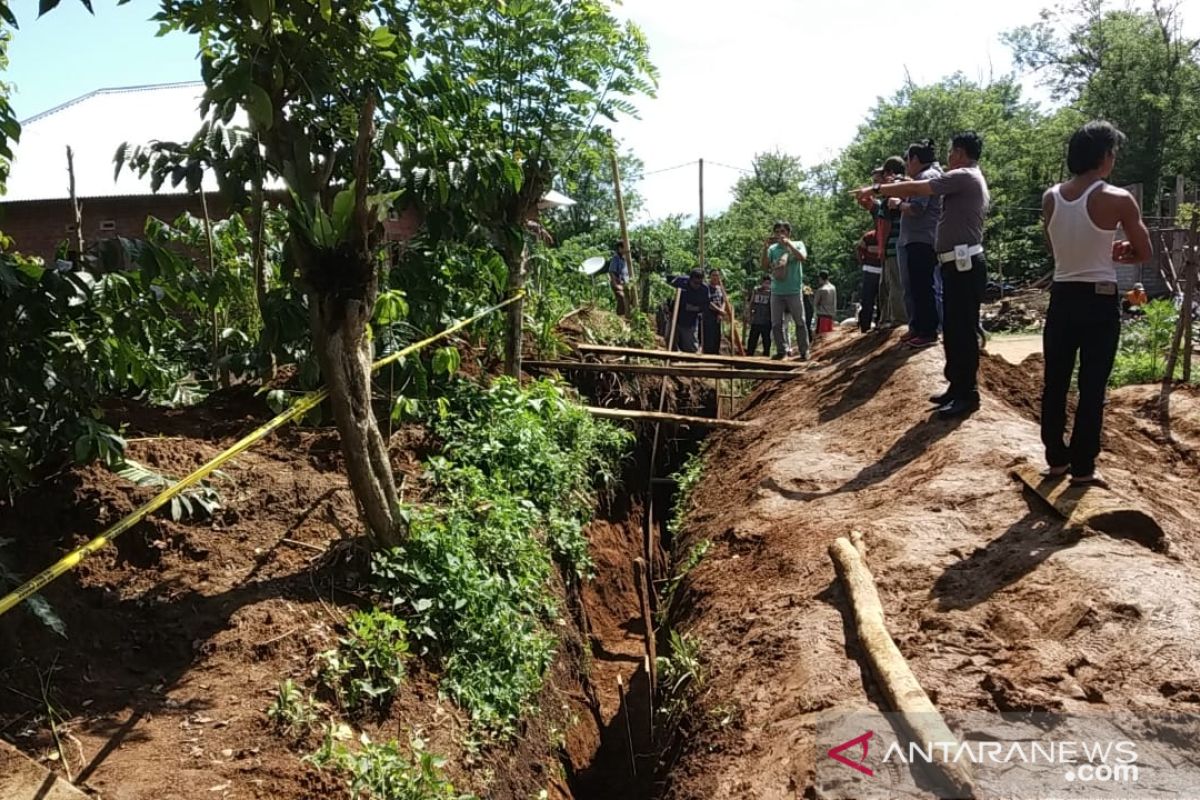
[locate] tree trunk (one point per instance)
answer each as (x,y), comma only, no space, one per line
(339,333)
(515,312)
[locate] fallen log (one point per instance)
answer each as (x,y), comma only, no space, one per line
(659,416)
(22,778)
(660,369)
(675,355)
(919,716)
(1099,509)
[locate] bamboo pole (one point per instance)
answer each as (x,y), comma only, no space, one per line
(717,372)
(918,714)
(663,355)
(702,214)
(648,537)
(630,292)
(662,416)
(641,579)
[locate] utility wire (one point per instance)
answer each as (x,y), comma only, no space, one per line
(668,169)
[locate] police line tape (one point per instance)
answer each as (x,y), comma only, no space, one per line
(298,409)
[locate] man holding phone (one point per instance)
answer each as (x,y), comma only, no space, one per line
(783,259)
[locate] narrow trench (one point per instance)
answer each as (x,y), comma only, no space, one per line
(632,757)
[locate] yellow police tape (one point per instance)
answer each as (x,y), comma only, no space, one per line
(298,409)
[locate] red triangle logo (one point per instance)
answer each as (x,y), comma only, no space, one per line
(863,741)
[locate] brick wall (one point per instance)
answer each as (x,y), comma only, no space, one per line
(38,227)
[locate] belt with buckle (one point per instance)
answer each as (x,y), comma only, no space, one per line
(948,256)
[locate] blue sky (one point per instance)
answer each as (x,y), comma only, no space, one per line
(68,52)
(736,79)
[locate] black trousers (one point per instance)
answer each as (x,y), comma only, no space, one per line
(922,261)
(710,332)
(757,331)
(870,300)
(962,296)
(1088,324)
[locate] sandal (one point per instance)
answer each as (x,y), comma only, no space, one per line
(1095,479)
(1056,472)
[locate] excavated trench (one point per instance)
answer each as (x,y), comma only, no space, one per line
(617,750)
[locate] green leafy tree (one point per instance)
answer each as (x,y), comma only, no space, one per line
(586,177)
(1134,67)
(530,78)
(315,80)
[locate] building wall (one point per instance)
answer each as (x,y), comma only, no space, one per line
(38,227)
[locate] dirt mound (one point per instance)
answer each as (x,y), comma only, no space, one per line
(995,605)
(179,635)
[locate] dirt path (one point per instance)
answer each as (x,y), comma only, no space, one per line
(993,603)
(1015,349)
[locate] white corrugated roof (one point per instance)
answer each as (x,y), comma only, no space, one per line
(94,126)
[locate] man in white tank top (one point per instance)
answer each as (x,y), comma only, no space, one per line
(1081,218)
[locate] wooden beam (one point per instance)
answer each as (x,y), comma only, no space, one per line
(688,371)
(918,714)
(663,355)
(658,416)
(1101,510)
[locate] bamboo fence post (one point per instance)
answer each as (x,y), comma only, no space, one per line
(1183,323)
(648,539)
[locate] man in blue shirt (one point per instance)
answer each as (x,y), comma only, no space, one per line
(618,276)
(695,298)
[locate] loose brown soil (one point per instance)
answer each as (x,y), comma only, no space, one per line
(179,635)
(993,603)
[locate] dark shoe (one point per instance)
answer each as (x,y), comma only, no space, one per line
(941,399)
(921,342)
(959,408)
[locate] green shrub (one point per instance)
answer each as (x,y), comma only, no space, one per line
(516,482)
(1145,343)
(368,665)
(383,772)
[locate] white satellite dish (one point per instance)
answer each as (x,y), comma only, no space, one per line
(592,266)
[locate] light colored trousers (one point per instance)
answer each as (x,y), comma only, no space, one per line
(788,305)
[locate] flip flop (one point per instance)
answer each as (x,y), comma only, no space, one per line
(1056,472)
(1095,479)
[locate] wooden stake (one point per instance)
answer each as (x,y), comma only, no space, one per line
(663,355)
(918,714)
(688,371)
(630,293)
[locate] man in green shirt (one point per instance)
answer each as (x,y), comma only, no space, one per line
(783,259)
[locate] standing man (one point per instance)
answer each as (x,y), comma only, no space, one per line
(692,303)
(872,274)
(1081,218)
(918,232)
(783,260)
(887,220)
(714,312)
(825,304)
(959,247)
(618,277)
(758,312)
